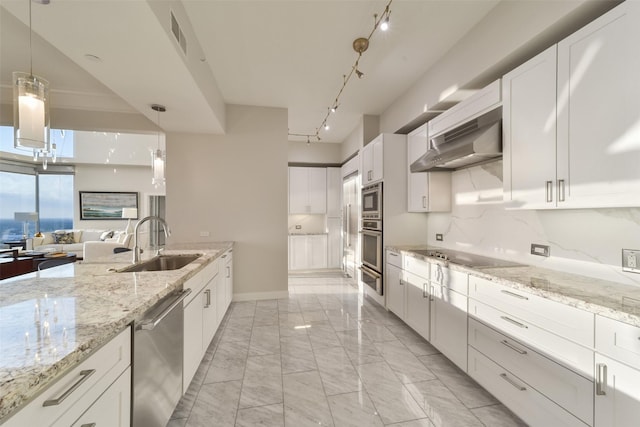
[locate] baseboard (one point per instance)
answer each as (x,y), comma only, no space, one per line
(252,296)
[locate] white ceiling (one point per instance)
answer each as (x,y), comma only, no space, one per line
(290,54)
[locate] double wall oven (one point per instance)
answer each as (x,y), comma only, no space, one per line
(372,249)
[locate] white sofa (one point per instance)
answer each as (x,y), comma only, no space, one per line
(74,240)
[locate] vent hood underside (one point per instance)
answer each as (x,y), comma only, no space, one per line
(470,143)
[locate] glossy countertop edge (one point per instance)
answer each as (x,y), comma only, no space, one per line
(614,300)
(16,391)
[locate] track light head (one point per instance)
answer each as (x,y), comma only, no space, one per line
(359,73)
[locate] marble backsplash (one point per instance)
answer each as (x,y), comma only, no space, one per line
(582,241)
(306,224)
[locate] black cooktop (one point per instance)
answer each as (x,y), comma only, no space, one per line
(465,258)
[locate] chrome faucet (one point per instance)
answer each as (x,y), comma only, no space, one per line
(136,248)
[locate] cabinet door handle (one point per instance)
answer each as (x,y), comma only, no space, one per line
(84,375)
(431,292)
(208,295)
(561,190)
(401,282)
(393,254)
(513,294)
(89,425)
(424,202)
(425,294)
(512,382)
(513,347)
(513,322)
(228,272)
(549,191)
(601,379)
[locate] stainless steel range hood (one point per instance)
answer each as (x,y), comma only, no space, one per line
(472,142)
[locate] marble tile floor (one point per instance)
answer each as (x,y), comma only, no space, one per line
(326,356)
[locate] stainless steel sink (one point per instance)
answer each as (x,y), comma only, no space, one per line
(161,263)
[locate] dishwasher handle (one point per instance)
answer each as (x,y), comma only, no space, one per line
(149,324)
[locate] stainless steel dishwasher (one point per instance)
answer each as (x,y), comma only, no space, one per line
(157,362)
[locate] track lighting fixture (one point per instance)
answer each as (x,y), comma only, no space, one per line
(360,45)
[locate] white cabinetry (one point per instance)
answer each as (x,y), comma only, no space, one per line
(307,252)
(617,367)
(225,284)
(541,347)
(407,284)
(334,218)
(593,160)
(529,133)
(200,319)
(97,390)
(426,191)
(307,190)
(449,313)
(372,161)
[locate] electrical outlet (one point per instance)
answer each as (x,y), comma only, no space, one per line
(298,227)
(439,237)
(540,250)
(630,260)
(204,234)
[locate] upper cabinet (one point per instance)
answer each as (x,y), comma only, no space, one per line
(307,190)
(372,161)
(426,191)
(334,192)
(571,120)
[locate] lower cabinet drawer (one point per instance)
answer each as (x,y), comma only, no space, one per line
(70,396)
(558,318)
(564,351)
(533,407)
(618,340)
(113,408)
(571,391)
(417,266)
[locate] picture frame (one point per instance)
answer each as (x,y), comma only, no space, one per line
(106,205)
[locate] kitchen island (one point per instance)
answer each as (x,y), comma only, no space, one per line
(50,321)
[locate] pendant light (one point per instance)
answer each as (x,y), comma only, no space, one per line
(31,129)
(158,156)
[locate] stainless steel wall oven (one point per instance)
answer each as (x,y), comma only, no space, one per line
(372,247)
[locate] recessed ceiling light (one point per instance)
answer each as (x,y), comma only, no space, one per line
(93,58)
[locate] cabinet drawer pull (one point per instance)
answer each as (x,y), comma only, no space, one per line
(208,294)
(512,294)
(561,190)
(513,322)
(601,379)
(228,272)
(512,382)
(424,202)
(549,191)
(89,425)
(84,375)
(513,347)
(425,293)
(393,254)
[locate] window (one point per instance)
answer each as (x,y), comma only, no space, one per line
(25,188)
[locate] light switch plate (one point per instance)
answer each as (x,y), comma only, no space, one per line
(439,237)
(631,260)
(540,250)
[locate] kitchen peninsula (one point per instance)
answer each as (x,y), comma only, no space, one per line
(53,320)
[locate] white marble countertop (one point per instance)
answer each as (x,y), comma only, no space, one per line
(610,299)
(53,319)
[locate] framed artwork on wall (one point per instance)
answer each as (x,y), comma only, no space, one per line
(106,204)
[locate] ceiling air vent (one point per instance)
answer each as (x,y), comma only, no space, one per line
(178,34)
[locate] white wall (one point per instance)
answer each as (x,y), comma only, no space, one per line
(315,152)
(511,33)
(582,241)
(112,178)
(234,187)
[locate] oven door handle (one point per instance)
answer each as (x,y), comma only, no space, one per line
(370,272)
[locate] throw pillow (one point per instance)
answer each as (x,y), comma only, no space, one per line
(106,235)
(63,237)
